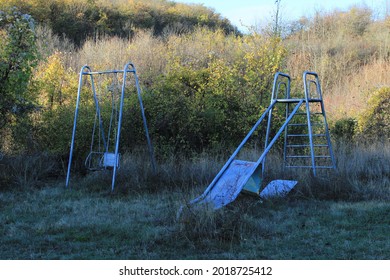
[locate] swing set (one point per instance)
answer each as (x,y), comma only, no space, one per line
(307,141)
(108,89)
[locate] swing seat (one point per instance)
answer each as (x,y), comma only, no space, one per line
(109,160)
(96,161)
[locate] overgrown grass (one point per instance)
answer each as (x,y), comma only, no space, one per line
(342,216)
(52,223)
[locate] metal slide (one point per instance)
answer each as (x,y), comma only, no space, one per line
(238,175)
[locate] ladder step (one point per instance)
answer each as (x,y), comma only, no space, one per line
(304,124)
(297,124)
(307,156)
(311,113)
(306,135)
(309,166)
(303,146)
(291,100)
(315,100)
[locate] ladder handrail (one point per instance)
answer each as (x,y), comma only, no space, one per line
(274,97)
(316,81)
(276,86)
(307,97)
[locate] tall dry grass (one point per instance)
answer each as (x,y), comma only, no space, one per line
(349,97)
(350,51)
(362,173)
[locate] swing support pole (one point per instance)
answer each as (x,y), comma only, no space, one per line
(129,68)
(76,113)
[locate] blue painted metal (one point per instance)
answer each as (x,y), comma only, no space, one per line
(107,158)
(237,175)
(233,156)
(76,113)
(234,176)
(307,74)
(279,79)
(130,68)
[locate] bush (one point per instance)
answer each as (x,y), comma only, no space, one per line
(195,98)
(374,122)
(80,20)
(27,171)
(17,59)
(344,129)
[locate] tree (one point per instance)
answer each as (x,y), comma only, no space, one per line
(277,18)
(18,56)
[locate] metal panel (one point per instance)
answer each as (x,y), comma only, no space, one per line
(277,188)
(230,183)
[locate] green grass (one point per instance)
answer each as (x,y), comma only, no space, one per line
(344,215)
(53,223)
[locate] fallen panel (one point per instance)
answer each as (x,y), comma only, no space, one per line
(277,188)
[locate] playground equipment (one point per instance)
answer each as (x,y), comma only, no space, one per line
(108,97)
(306,145)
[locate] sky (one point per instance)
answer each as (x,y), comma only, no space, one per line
(245,13)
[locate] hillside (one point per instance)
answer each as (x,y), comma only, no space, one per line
(79,20)
(350,51)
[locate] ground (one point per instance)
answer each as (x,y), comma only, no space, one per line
(57,223)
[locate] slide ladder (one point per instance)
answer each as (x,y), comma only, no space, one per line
(238,175)
(307,140)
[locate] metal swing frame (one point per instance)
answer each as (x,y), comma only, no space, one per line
(86,73)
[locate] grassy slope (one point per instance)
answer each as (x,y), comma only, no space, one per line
(52,223)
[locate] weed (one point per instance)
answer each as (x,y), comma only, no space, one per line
(27,171)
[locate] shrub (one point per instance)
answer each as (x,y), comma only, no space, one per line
(27,171)
(200,89)
(79,19)
(344,129)
(374,122)
(17,59)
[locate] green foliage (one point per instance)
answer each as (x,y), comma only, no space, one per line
(17,59)
(54,88)
(23,172)
(374,122)
(205,101)
(203,97)
(79,19)
(345,129)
